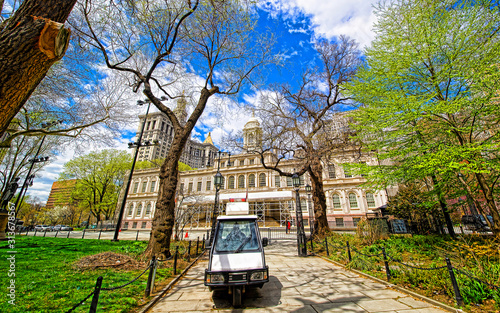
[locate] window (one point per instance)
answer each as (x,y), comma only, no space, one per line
(302,181)
(149,124)
(153,183)
(289,181)
(148,209)
(370,200)
(347,172)
(262,180)
(353,201)
(130,209)
(182,187)
(125,225)
(209,183)
(356,220)
(251,180)
(144,185)
(339,222)
(154,125)
(144,225)
(190,187)
(136,186)
(231,182)
(241,181)
(162,126)
(134,225)
(331,171)
(223,182)
(336,202)
(198,188)
(139,209)
(252,161)
(277,179)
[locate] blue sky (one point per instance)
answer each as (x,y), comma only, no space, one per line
(298,23)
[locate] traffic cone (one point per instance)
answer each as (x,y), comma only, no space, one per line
(187,235)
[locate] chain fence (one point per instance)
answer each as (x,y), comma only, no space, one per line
(386,258)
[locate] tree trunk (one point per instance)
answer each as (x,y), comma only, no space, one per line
(490,201)
(164,218)
(30,42)
(315,170)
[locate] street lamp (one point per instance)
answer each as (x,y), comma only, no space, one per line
(301,235)
(137,145)
(311,216)
(218,181)
(36,159)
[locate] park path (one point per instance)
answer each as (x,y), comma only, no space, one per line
(297,284)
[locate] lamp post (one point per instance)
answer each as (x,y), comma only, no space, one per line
(301,235)
(218,179)
(137,145)
(311,216)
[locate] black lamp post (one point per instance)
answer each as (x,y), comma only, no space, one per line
(218,180)
(311,214)
(135,145)
(301,235)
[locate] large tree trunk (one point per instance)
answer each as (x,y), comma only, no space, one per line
(315,170)
(30,42)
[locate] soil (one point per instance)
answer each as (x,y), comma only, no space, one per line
(110,260)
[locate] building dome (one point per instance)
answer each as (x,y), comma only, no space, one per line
(253,122)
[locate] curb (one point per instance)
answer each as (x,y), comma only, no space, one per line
(157,298)
(401,289)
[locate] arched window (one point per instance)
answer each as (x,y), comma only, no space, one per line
(336,202)
(241,181)
(139,209)
(231,182)
(148,209)
(353,201)
(262,180)
(251,180)
(130,209)
(370,200)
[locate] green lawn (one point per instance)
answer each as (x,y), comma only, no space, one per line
(47,279)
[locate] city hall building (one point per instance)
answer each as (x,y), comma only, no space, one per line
(271,196)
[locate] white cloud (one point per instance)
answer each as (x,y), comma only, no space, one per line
(330,18)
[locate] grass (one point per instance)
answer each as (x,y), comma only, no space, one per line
(475,255)
(47,279)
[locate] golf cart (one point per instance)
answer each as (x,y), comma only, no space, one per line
(237,259)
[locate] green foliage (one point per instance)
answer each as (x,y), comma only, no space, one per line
(99,178)
(428,93)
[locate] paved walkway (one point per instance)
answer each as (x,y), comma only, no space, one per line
(308,284)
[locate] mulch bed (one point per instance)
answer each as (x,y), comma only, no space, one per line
(110,260)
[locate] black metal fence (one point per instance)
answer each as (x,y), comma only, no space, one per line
(184,252)
(387,258)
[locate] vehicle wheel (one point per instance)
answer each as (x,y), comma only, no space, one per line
(236,296)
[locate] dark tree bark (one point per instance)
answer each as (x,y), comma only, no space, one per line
(315,171)
(31,41)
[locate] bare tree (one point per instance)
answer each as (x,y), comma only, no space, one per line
(215,53)
(32,39)
(304,123)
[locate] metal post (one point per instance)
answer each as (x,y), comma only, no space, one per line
(387,270)
(150,276)
(27,231)
(44,233)
(203,243)
(312,245)
(129,181)
(67,236)
(197,244)
(83,235)
(95,298)
(326,247)
(100,231)
(349,251)
(458,296)
(57,232)
(137,236)
(301,236)
(175,259)
(189,251)
(34,235)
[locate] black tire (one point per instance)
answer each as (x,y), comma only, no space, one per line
(237,296)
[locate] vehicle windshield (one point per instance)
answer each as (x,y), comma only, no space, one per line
(236,236)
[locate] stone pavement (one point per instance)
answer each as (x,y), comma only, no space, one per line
(308,284)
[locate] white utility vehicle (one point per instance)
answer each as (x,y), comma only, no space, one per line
(237,259)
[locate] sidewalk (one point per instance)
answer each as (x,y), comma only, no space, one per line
(308,284)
